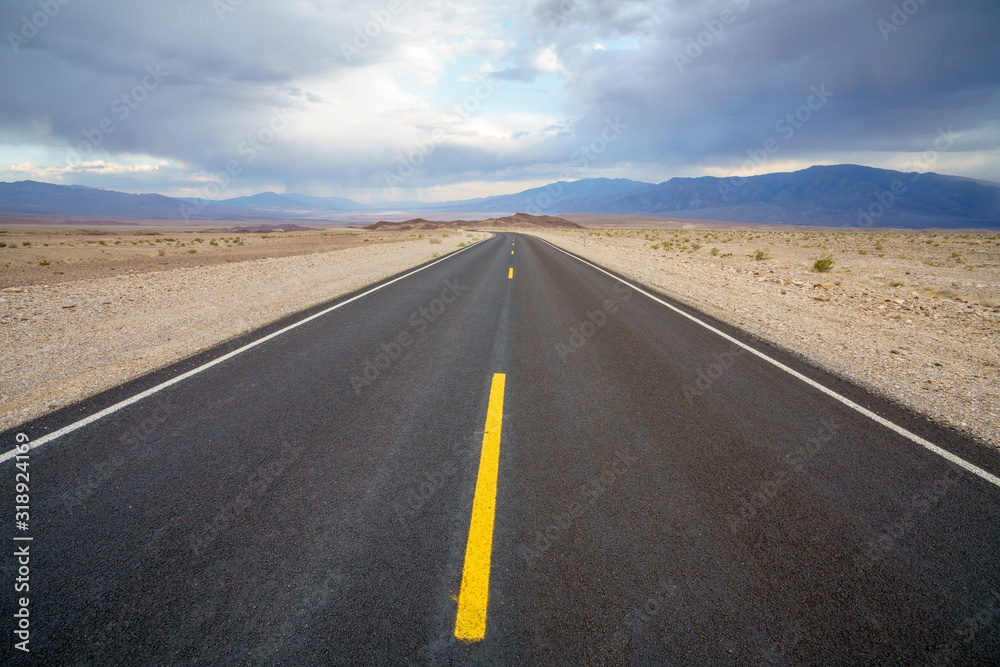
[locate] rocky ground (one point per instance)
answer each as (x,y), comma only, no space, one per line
(65,341)
(49,255)
(912,316)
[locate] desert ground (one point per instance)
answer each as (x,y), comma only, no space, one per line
(84,311)
(49,255)
(913,316)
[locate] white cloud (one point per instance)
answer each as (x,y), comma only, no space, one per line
(61,173)
(598,60)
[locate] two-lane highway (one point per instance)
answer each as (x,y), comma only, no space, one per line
(660,495)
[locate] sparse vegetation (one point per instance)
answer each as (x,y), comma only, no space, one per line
(824,263)
(714,252)
(761,255)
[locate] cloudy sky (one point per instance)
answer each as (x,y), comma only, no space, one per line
(423,99)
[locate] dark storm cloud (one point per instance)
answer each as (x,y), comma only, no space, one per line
(717,77)
(696,82)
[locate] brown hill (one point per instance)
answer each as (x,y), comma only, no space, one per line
(258,229)
(415,223)
(518,220)
(525,220)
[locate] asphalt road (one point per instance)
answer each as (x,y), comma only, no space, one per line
(662,495)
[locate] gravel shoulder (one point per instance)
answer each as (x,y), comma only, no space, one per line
(62,343)
(911,317)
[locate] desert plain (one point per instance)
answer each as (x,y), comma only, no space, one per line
(911,315)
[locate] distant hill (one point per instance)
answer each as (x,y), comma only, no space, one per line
(32,197)
(292,202)
(583,196)
(518,220)
(524,220)
(840,195)
(844,195)
(418,224)
(257,229)
(47,199)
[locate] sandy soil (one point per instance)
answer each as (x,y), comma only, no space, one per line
(53,255)
(914,317)
(62,342)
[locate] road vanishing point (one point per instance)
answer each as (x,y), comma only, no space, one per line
(507,456)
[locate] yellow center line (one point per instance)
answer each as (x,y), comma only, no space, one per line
(510,274)
(470,624)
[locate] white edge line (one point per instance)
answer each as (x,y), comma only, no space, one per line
(49,437)
(962,463)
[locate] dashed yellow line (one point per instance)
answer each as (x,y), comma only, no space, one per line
(470,624)
(510,274)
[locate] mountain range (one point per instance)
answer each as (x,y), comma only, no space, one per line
(839,195)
